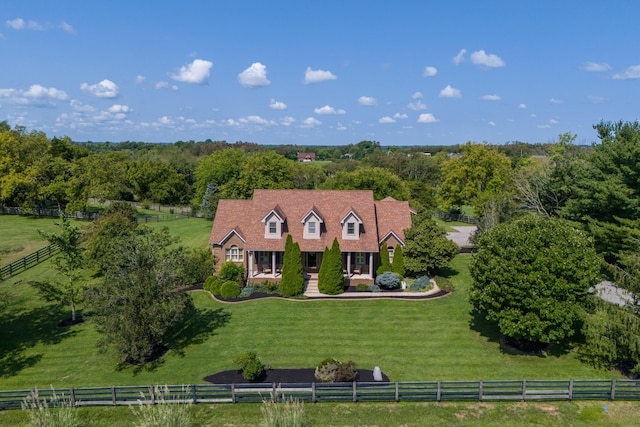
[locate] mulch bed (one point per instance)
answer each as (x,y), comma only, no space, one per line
(351,293)
(305,375)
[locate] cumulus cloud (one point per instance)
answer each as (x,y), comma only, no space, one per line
(522,106)
(400,116)
(340,126)
(287,121)
(459,57)
(104,89)
(544,127)
(310,122)
(427,118)
(386,119)
(119,108)
(67,27)
(317,76)
(417,105)
(430,71)
(450,92)
(555,101)
(480,57)
(140,78)
(367,100)
(595,67)
(21,24)
(632,72)
(491,123)
(491,98)
(328,110)
(197,72)
(40,92)
(254,76)
(553,121)
(416,95)
(256,120)
(277,105)
(165,85)
(80,107)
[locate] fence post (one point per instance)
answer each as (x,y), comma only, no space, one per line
(193,394)
(152,395)
(313,393)
(113,395)
(524,390)
(480,391)
(355,392)
(438,393)
(612,394)
(72,397)
(397,393)
(233,393)
(274,396)
(570,390)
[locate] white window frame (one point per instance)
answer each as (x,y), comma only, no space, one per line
(273,228)
(312,230)
(391,250)
(360,258)
(234,253)
(351,229)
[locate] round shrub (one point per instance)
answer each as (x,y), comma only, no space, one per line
(362,287)
(231,271)
(374,288)
(421,284)
(250,365)
(388,280)
(332,370)
(212,284)
(347,372)
(246,291)
(230,289)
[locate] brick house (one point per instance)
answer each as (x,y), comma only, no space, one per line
(253,232)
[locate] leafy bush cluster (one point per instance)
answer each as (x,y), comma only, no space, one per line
(388,280)
(251,367)
(230,271)
(374,288)
(362,287)
(246,292)
(331,370)
(212,284)
(230,289)
(267,287)
(421,284)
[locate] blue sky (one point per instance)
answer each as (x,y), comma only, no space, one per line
(322,73)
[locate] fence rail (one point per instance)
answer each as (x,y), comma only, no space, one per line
(455,217)
(28,261)
(434,391)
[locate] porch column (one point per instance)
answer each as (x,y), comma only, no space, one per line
(273,263)
(349,264)
(250,263)
(371,265)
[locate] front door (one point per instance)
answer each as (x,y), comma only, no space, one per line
(312,261)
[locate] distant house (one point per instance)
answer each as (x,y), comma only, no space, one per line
(253,232)
(306,157)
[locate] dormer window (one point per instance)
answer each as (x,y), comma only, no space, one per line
(273,227)
(273,224)
(351,224)
(351,229)
(311,224)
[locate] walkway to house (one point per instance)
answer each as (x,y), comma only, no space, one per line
(311,291)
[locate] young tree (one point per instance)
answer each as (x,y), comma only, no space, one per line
(69,263)
(397,266)
(138,300)
(427,247)
(333,279)
(292,282)
(385,265)
(532,277)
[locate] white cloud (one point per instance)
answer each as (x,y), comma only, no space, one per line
(555,101)
(450,92)
(317,76)
(459,57)
(400,116)
(386,119)
(140,78)
(104,89)
(160,85)
(533,116)
(119,108)
(7,92)
(328,110)
(40,92)
(553,121)
(491,123)
(544,127)
(197,72)
(491,98)
(287,121)
(595,67)
(596,99)
(340,126)
(632,72)
(80,107)
(522,106)
(21,24)
(416,95)
(417,106)
(310,122)
(480,57)
(277,105)
(254,76)
(367,100)
(256,120)
(427,118)
(67,27)
(430,71)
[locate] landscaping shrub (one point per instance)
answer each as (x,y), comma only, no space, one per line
(267,287)
(231,271)
(292,282)
(332,370)
(385,265)
(198,266)
(289,413)
(362,287)
(54,412)
(347,372)
(250,365)
(397,266)
(388,280)
(163,413)
(230,289)
(420,284)
(213,284)
(330,276)
(374,288)
(246,291)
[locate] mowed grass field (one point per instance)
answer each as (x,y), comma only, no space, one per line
(410,340)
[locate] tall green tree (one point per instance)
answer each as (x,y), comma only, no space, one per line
(427,248)
(221,169)
(382,182)
(69,263)
(532,277)
(397,266)
(266,170)
(385,265)
(332,282)
(138,301)
(292,281)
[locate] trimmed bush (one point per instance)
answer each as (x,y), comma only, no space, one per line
(420,284)
(231,271)
(292,282)
(388,280)
(362,287)
(331,277)
(347,372)
(246,292)
(250,365)
(397,265)
(384,259)
(332,370)
(374,288)
(230,289)
(212,284)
